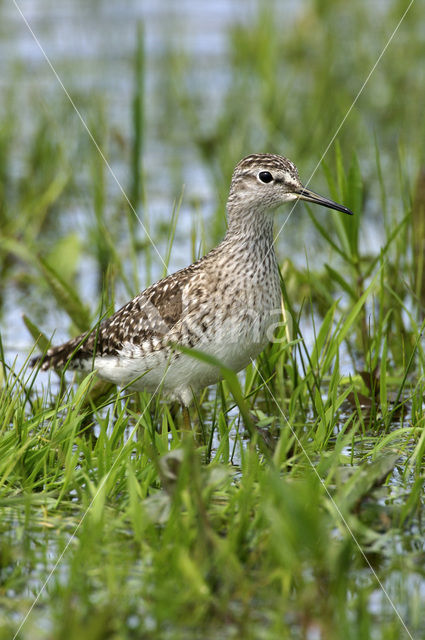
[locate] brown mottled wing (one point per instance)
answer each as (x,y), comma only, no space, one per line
(149,316)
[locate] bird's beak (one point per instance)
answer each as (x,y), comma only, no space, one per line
(310,196)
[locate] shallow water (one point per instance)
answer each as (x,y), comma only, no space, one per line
(92,46)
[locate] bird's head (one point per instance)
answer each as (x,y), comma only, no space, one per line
(266,181)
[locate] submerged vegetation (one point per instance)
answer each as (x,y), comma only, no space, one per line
(295,508)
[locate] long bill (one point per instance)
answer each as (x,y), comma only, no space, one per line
(310,196)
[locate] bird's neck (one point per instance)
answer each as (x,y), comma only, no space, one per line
(250,228)
(249,249)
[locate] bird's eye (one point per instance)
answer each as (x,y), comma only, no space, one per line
(265,176)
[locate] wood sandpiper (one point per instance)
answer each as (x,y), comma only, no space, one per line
(224,305)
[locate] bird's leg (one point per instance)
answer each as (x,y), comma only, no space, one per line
(187,426)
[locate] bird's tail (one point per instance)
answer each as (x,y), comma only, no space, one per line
(70,354)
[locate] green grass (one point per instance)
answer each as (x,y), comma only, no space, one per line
(295,508)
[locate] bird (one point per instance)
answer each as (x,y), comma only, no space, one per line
(224,305)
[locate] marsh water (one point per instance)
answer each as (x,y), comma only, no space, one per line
(187,79)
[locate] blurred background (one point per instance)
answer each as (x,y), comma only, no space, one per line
(125,167)
(174,95)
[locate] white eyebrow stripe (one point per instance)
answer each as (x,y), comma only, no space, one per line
(289,177)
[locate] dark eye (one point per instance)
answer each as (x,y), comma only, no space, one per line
(265,176)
